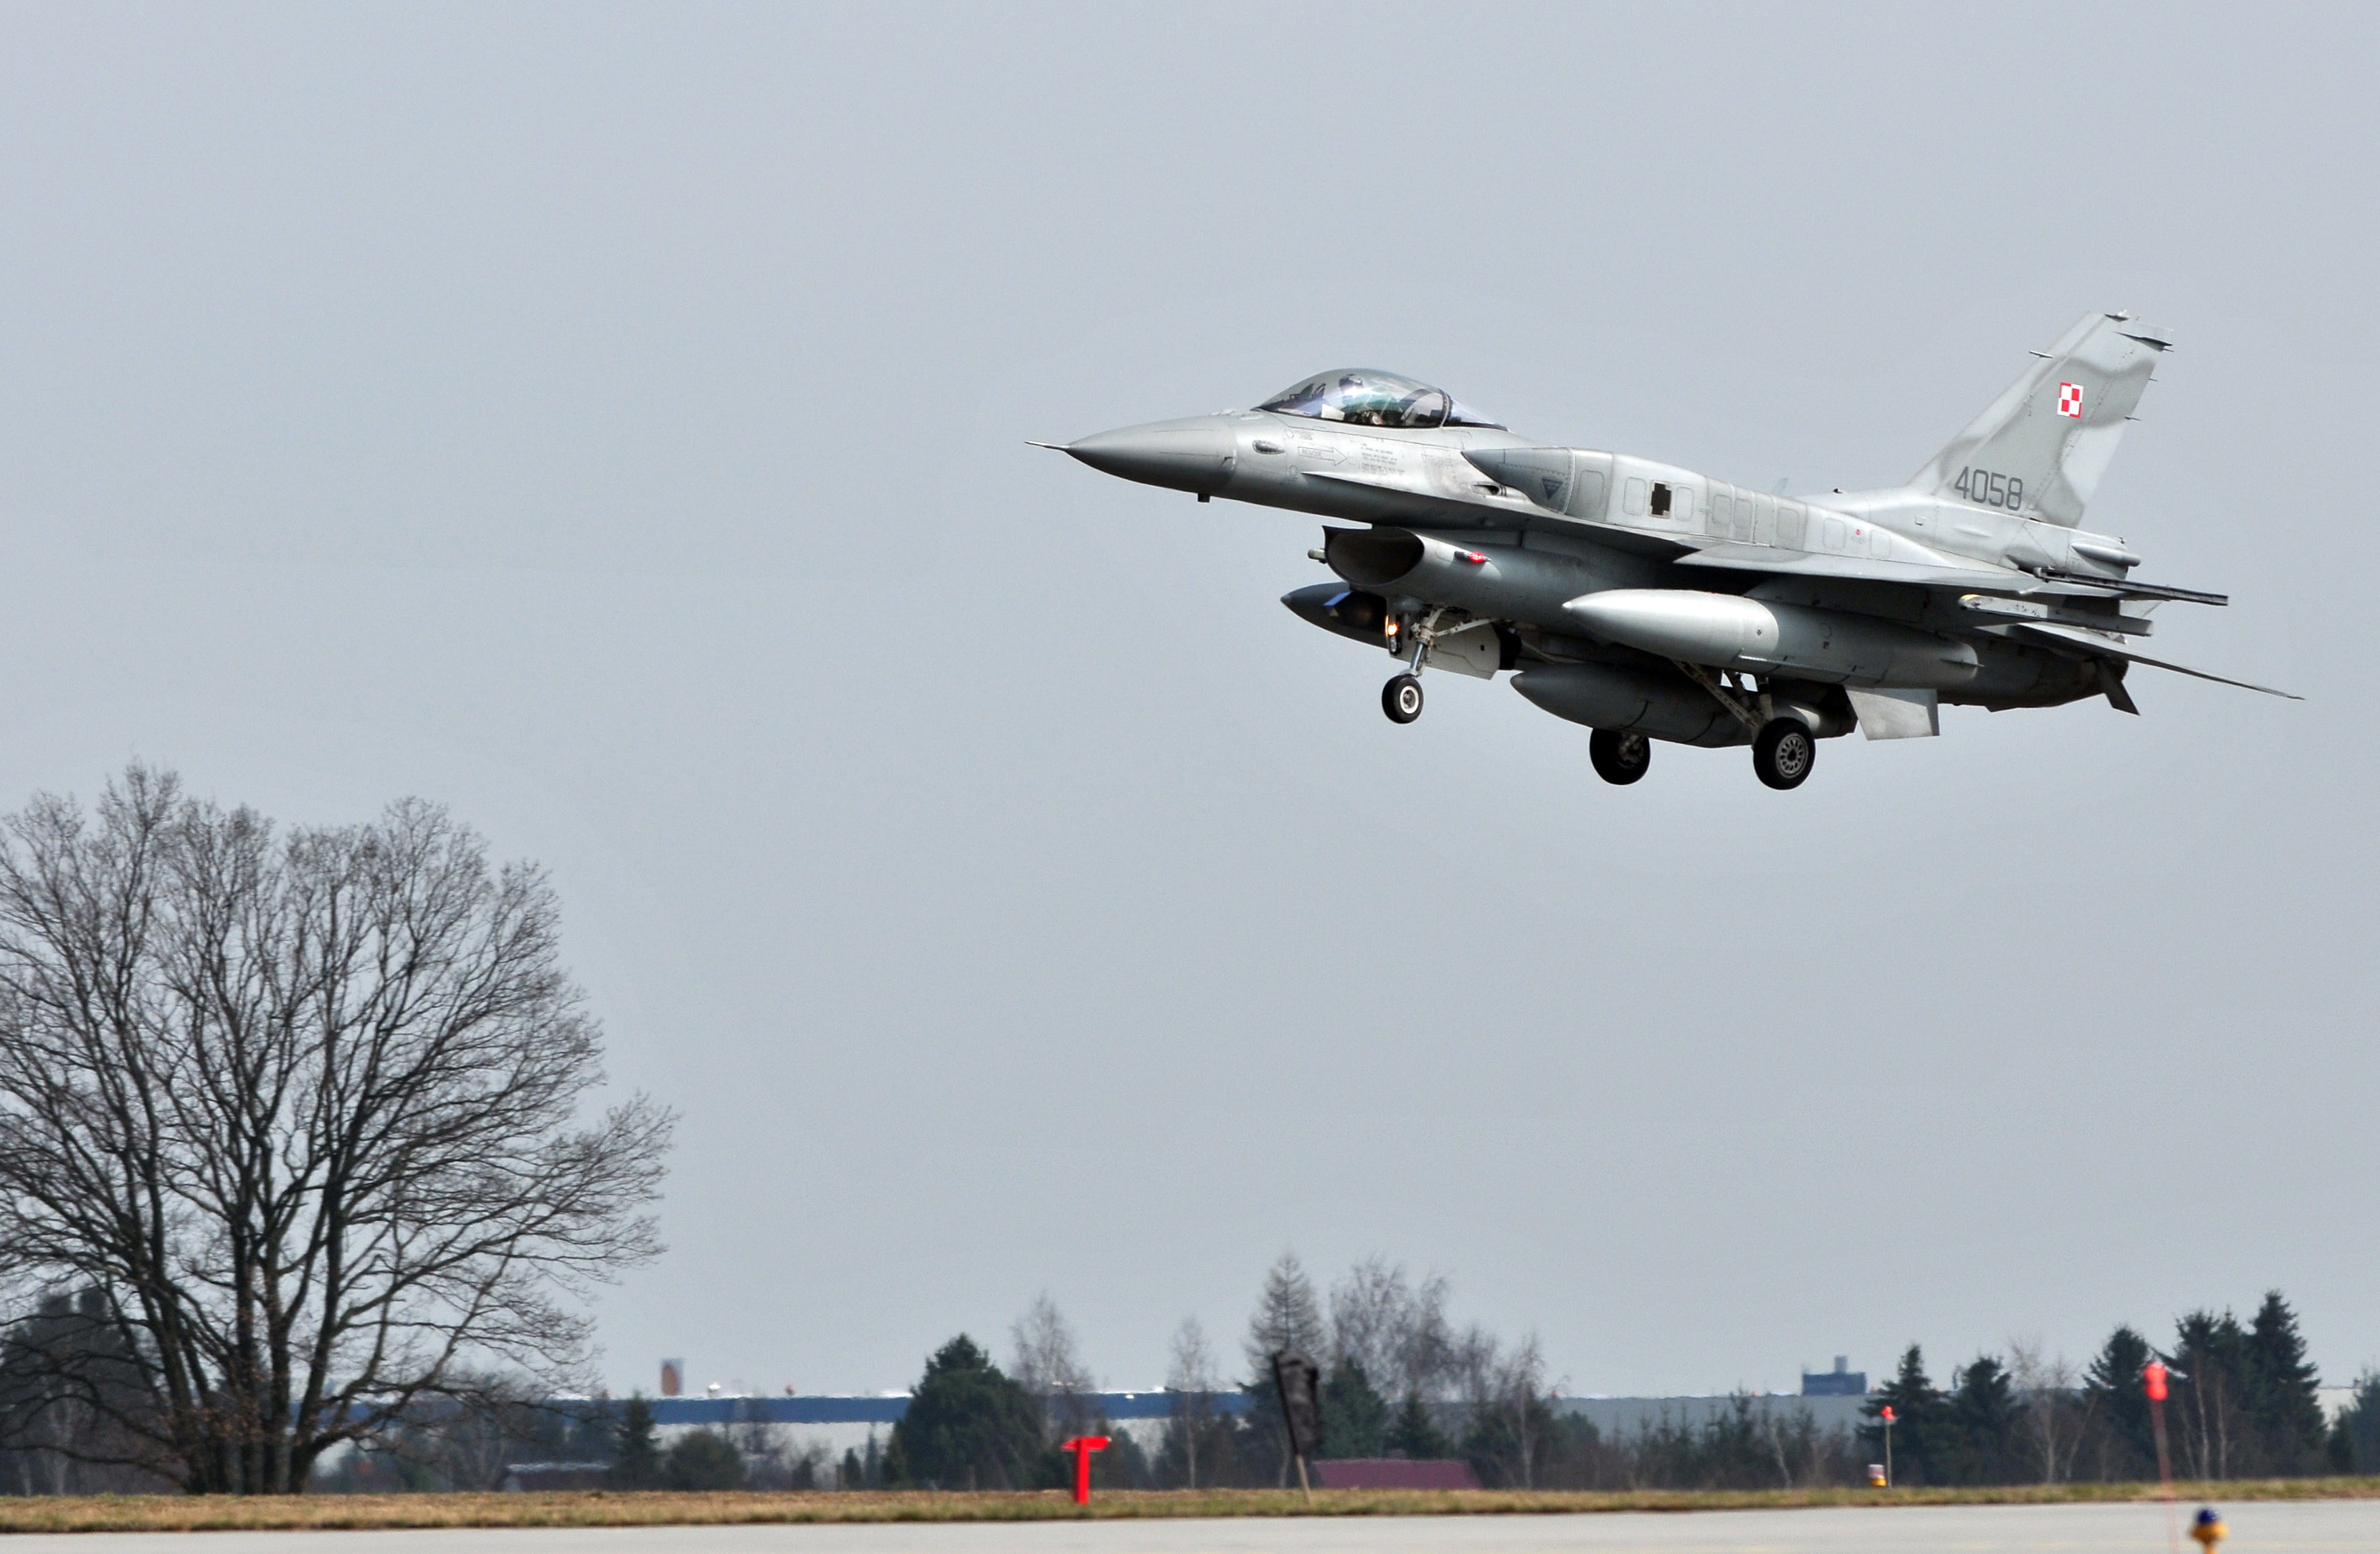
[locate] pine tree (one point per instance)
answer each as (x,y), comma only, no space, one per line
(2211,1394)
(1980,1444)
(1287,1317)
(1413,1434)
(703,1461)
(2283,1407)
(1919,1422)
(852,1476)
(1355,1417)
(2355,1442)
(2115,1394)
(635,1453)
(967,1426)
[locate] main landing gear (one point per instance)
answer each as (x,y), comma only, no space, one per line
(1783,752)
(1783,749)
(1620,758)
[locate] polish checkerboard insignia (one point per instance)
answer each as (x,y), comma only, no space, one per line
(2070,400)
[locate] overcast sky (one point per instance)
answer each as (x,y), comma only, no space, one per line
(610,422)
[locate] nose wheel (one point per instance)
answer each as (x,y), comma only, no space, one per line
(1401,698)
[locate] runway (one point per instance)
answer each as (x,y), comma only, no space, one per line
(2257,1527)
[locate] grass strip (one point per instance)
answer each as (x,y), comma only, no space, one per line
(97,1513)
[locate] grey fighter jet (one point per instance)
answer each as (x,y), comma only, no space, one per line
(1649,603)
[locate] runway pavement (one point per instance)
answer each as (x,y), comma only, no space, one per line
(2256,1528)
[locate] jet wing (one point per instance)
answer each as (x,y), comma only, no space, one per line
(2091,643)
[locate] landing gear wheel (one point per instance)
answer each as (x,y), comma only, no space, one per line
(1618,758)
(1401,698)
(1784,753)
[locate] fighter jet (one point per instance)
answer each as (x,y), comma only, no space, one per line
(1651,603)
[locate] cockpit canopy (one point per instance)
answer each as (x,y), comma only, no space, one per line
(1363,398)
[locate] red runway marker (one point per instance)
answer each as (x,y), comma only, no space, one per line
(1082,1447)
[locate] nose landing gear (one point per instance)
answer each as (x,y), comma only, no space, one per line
(1400,698)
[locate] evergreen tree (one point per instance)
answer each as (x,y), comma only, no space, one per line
(2355,1442)
(2115,1398)
(1124,1465)
(1512,1439)
(1979,1437)
(2283,1406)
(2212,1390)
(703,1460)
(1287,1317)
(852,1476)
(968,1427)
(635,1453)
(1355,1417)
(1920,1421)
(1413,1434)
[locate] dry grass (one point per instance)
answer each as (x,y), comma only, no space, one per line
(597,1509)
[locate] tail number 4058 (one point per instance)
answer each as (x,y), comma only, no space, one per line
(1992,491)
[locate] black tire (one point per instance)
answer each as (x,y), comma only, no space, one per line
(1401,698)
(1784,753)
(1618,758)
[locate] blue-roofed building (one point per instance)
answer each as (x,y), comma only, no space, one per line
(846,1423)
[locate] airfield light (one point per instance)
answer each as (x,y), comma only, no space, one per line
(2153,1378)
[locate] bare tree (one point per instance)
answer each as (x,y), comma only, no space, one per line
(1395,1330)
(1047,1366)
(1506,1393)
(2048,1389)
(307,1111)
(1191,1379)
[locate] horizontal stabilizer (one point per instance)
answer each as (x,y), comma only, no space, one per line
(1771,560)
(2091,645)
(2135,590)
(2006,582)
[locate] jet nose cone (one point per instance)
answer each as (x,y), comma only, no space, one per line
(1193,455)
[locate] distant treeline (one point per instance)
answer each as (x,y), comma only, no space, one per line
(1399,1379)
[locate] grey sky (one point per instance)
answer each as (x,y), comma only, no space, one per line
(610,422)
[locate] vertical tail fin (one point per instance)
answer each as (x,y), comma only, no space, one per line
(2041,447)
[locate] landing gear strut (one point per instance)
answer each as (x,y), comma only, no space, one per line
(1783,752)
(1618,758)
(1400,698)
